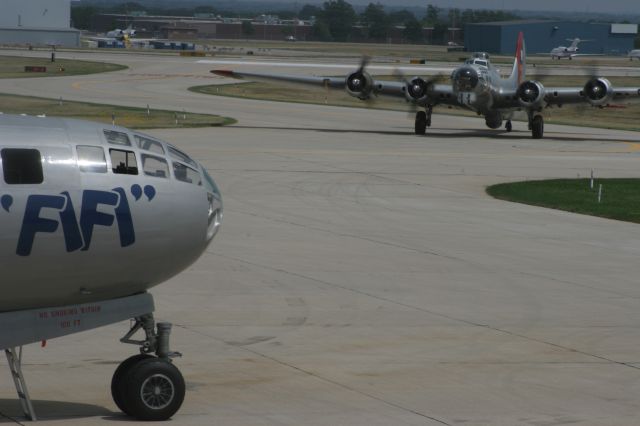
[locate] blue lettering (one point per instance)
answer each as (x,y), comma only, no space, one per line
(125,222)
(77,235)
(33,223)
(70,228)
(90,216)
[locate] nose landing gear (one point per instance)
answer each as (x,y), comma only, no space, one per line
(144,386)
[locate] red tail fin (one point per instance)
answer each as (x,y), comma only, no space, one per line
(520,61)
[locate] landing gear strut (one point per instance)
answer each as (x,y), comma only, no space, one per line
(144,386)
(536,125)
(423,120)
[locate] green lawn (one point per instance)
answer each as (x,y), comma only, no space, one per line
(13,67)
(135,118)
(620,197)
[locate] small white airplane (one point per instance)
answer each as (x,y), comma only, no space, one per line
(122,35)
(570,51)
(634,54)
(91,217)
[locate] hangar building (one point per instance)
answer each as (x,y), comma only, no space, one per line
(38,23)
(542,36)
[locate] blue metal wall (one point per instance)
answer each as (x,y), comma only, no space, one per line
(542,36)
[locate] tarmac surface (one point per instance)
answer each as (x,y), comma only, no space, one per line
(363,277)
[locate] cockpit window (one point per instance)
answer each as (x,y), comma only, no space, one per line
(123,162)
(117,138)
(179,155)
(22,166)
(186,174)
(155,166)
(149,144)
(483,63)
(91,159)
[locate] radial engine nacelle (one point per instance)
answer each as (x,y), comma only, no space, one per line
(598,91)
(417,90)
(360,85)
(531,94)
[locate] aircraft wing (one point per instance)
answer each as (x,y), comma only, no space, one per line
(574,55)
(381,87)
(597,92)
(332,82)
(442,94)
(598,97)
(433,93)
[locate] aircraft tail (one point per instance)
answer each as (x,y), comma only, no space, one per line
(574,43)
(520,62)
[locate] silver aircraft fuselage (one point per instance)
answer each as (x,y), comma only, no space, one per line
(92,212)
(478,86)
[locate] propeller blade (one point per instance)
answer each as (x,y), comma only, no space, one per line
(364,62)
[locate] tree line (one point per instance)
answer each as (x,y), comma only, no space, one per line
(335,20)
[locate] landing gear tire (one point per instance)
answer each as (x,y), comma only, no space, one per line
(118,382)
(537,127)
(421,123)
(508,127)
(154,390)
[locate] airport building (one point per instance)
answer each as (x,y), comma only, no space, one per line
(216,27)
(37,23)
(542,36)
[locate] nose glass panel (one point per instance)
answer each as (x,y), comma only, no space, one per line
(466,79)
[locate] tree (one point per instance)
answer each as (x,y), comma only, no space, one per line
(282,14)
(432,15)
(440,32)
(321,31)
(204,9)
(308,11)
(401,17)
(247,29)
(377,22)
(467,17)
(339,17)
(454,17)
(413,31)
(128,7)
(82,16)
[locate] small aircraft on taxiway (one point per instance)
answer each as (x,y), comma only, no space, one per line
(477,85)
(92,216)
(569,51)
(121,35)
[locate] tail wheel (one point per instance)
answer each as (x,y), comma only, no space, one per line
(421,123)
(537,127)
(155,389)
(508,126)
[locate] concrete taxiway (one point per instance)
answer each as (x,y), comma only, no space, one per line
(363,277)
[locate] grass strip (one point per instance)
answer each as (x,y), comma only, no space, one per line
(135,118)
(620,198)
(14,67)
